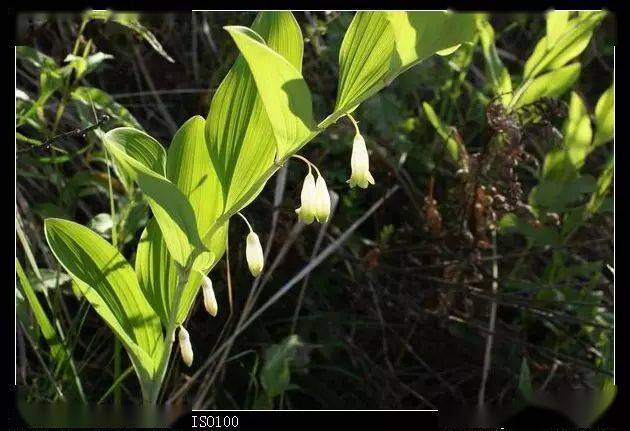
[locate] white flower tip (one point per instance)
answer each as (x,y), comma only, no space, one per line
(360,164)
(209,299)
(254,254)
(185,346)
(322,200)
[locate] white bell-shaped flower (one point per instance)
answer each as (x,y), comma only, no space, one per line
(360,164)
(209,300)
(322,200)
(254,254)
(306,212)
(185,347)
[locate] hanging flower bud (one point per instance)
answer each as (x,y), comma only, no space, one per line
(254,254)
(185,346)
(360,164)
(209,300)
(322,200)
(306,213)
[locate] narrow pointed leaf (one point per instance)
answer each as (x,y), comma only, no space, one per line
(605,117)
(568,45)
(551,84)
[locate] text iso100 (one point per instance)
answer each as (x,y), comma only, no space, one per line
(207,421)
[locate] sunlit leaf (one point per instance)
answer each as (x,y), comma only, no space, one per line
(442,130)
(238,132)
(378,46)
(556,22)
(497,73)
(551,84)
(143,157)
(108,282)
(282,90)
(569,44)
(605,117)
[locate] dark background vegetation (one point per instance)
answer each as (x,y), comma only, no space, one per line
(373,328)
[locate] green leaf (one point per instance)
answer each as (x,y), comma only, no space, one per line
(105,278)
(48,331)
(605,117)
(601,188)
(282,90)
(442,130)
(35,57)
(158,275)
(84,66)
(556,22)
(556,196)
(551,84)
(239,134)
(275,374)
(378,46)
(497,73)
(132,22)
(190,168)
(143,157)
(103,102)
(569,44)
(564,164)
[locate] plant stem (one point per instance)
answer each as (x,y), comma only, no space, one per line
(156,383)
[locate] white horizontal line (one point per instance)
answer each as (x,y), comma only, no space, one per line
(255,410)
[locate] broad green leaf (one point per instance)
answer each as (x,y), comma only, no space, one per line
(442,130)
(275,374)
(364,58)
(282,90)
(190,168)
(419,35)
(556,22)
(497,73)
(378,46)
(563,164)
(557,195)
(143,157)
(605,117)
(551,84)
(105,278)
(568,45)
(48,331)
(132,22)
(238,132)
(158,275)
